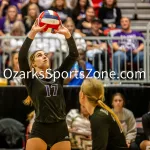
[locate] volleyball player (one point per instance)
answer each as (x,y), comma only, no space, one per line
(105,126)
(49,130)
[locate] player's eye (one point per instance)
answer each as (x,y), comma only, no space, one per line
(46,54)
(39,55)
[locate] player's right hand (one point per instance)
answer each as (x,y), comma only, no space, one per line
(36,28)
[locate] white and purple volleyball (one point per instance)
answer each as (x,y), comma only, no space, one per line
(50,18)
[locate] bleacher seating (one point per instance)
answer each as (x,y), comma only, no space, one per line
(138,12)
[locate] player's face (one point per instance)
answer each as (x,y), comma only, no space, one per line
(41,60)
(125,23)
(117,102)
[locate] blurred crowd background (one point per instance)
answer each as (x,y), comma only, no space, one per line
(110,36)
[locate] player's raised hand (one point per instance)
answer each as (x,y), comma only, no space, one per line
(63,30)
(35,29)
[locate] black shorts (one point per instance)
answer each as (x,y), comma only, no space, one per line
(51,133)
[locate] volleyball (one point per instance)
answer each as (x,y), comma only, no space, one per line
(50,18)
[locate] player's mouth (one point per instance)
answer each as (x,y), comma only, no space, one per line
(45,60)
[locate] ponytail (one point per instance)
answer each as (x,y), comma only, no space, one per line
(30,116)
(100,103)
(94,91)
(28,101)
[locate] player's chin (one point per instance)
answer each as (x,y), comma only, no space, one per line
(45,65)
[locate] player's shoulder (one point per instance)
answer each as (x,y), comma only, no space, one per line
(100,113)
(100,117)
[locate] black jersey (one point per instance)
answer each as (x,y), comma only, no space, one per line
(47,94)
(106,134)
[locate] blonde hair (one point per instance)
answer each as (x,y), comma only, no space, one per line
(94,91)
(28,100)
(54,4)
(19,26)
(28,18)
(7,21)
(30,116)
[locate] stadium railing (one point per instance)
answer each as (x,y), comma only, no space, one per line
(134,71)
(148,50)
(142,74)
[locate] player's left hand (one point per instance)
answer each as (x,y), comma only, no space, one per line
(63,30)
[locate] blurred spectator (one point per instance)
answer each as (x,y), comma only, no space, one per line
(24,10)
(33,13)
(12,72)
(78,121)
(4,4)
(146,128)
(10,43)
(71,4)
(4,62)
(80,42)
(84,25)
(60,7)
(96,4)
(18,4)
(79,127)
(127,48)
(80,70)
(79,11)
(58,42)
(97,48)
(6,23)
(110,14)
(45,4)
(127,120)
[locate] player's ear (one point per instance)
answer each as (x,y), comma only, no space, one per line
(33,65)
(81,97)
